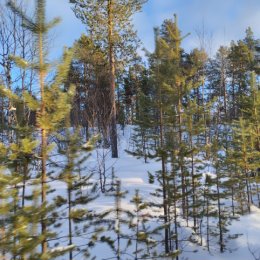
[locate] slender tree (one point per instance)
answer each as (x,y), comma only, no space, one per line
(109,25)
(54,103)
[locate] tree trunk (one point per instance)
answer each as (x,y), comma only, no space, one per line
(113,130)
(165,202)
(221,241)
(180,155)
(70,221)
(25,176)
(175,216)
(43,142)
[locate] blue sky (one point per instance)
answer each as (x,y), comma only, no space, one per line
(224,20)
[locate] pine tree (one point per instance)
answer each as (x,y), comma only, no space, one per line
(117,217)
(217,75)
(89,73)
(220,193)
(241,62)
(160,150)
(109,25)
(170,71)
(53,105)
(194,129)
(14,40)
(132,83)
(81,191)
(244,152)
(144,137)
(19,220)
(174,85)
(142,233)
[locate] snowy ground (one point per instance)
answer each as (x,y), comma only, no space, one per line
(133,174)
(239,249)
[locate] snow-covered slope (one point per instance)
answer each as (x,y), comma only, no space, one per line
(241,248)
(133,175)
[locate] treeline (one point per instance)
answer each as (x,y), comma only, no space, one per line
(198,116)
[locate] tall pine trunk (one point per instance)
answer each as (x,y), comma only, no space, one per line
(164,181)
(113,130)
(43,140)
(220,224)
(179,107)
(70,220)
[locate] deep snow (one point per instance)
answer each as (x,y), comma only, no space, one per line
(133,175)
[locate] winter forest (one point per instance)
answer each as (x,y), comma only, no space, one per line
(116,152)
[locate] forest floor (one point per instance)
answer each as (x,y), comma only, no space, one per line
(133,174)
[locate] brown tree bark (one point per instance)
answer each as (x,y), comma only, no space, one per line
(113,129)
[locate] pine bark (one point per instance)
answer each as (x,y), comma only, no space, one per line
(43,141)
(113,130)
